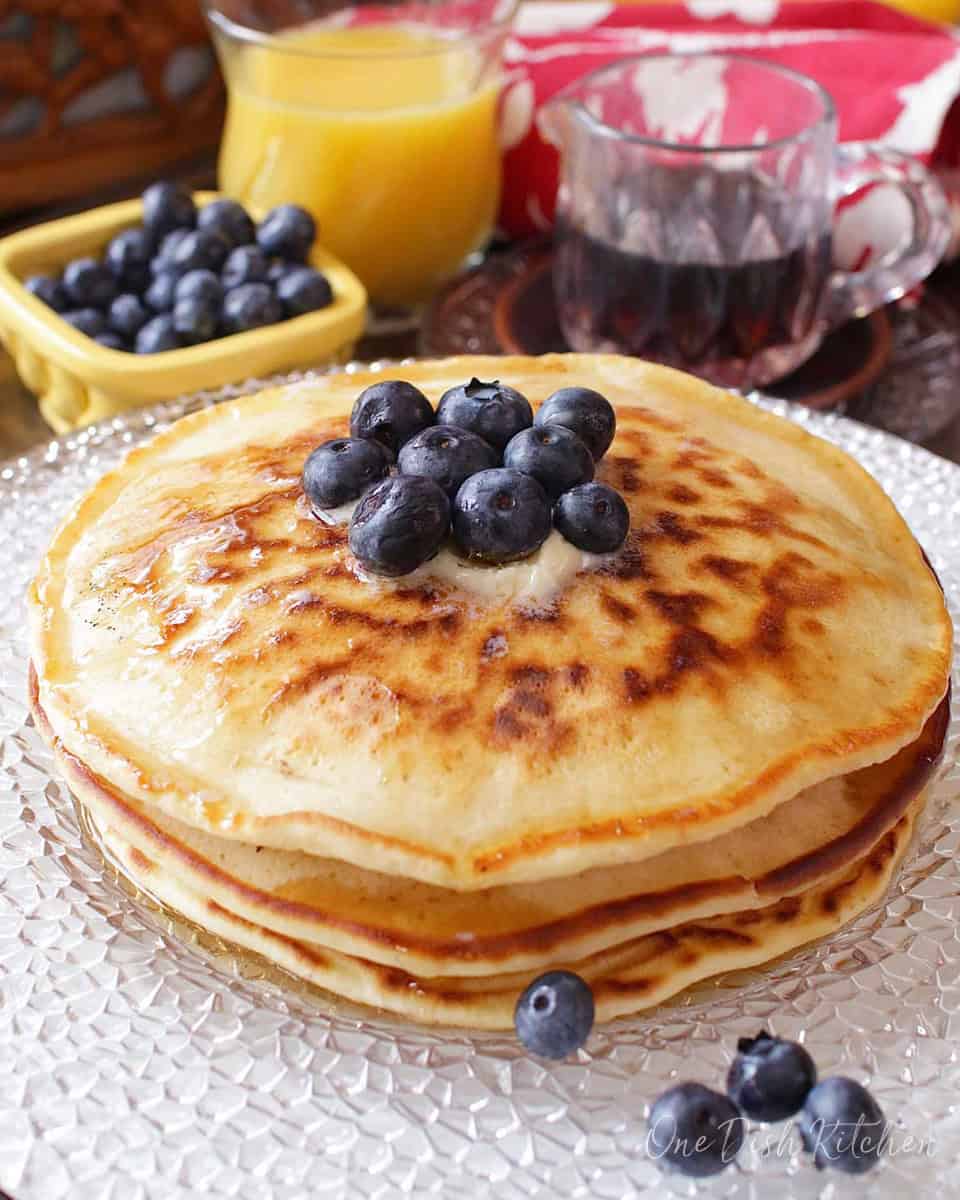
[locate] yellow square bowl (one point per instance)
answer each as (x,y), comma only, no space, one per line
(78,381)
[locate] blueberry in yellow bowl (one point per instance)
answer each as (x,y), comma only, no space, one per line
(175,292)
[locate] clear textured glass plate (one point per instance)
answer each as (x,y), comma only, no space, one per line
(138,1060)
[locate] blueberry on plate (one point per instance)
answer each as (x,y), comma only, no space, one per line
(160,295)
(111,340)
(203,286)
(89,284)
(303,290)
(287,232)
(128,256)
(246,264)
(842,1126)
(501,515)
(593,517)
(554,1014)
(163,259)
(250,306)
(195,320)
(493,411)
(90,321)
(228,218)
(399,524)
(553,455)
(167,206)
(586,412)
(128,315)
(447,455)
(199,250)
(50,291)
(390,412)
(342,470)
(770,1078)
(694,1130)
(157,335)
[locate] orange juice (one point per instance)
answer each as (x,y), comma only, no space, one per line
(386,133)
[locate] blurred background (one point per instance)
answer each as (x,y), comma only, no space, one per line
(100,97)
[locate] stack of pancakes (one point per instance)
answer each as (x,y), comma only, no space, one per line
(692,755)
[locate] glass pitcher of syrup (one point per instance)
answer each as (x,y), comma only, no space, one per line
(695,216)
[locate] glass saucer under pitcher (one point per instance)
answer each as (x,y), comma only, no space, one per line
(696,209)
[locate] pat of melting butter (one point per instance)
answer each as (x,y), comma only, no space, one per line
(533,582)
(334,516)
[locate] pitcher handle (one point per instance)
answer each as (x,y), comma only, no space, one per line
(856,293)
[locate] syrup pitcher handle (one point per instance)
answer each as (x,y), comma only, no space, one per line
(856,293)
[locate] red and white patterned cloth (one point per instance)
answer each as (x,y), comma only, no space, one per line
(893,77)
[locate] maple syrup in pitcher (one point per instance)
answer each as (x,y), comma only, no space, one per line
(695,215)
(715,317)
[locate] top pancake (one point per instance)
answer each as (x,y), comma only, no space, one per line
(204,646)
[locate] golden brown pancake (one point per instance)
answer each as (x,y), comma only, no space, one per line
(437,931)
(629,978)
(205,646)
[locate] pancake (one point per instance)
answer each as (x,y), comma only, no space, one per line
(435,931)
(637,976)
(204,647)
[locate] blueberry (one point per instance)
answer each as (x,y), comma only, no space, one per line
(770,1078)
(501,515)
(89,284)
(399,524)
(842,1126)
(446,455)
(111,340)
(195,320)
(694,1130)
(491,410)
(128,256)
(158,334)
(586,412)
(199,250)
(342,470)
(200,285)
(287,232)
(163,259)
(593,517)
(554,456)
(390,412)
(250,306)
(86,320)
(228,218)
(246,264)
(161,293)
(128,315)
(50,291)
(303,290)
(554,1014)
(167,206)
(278,268)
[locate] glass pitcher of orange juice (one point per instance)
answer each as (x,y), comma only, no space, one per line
(381,119)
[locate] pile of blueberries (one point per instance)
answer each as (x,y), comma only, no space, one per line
(189,275)
(481,466)
(697,1131)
